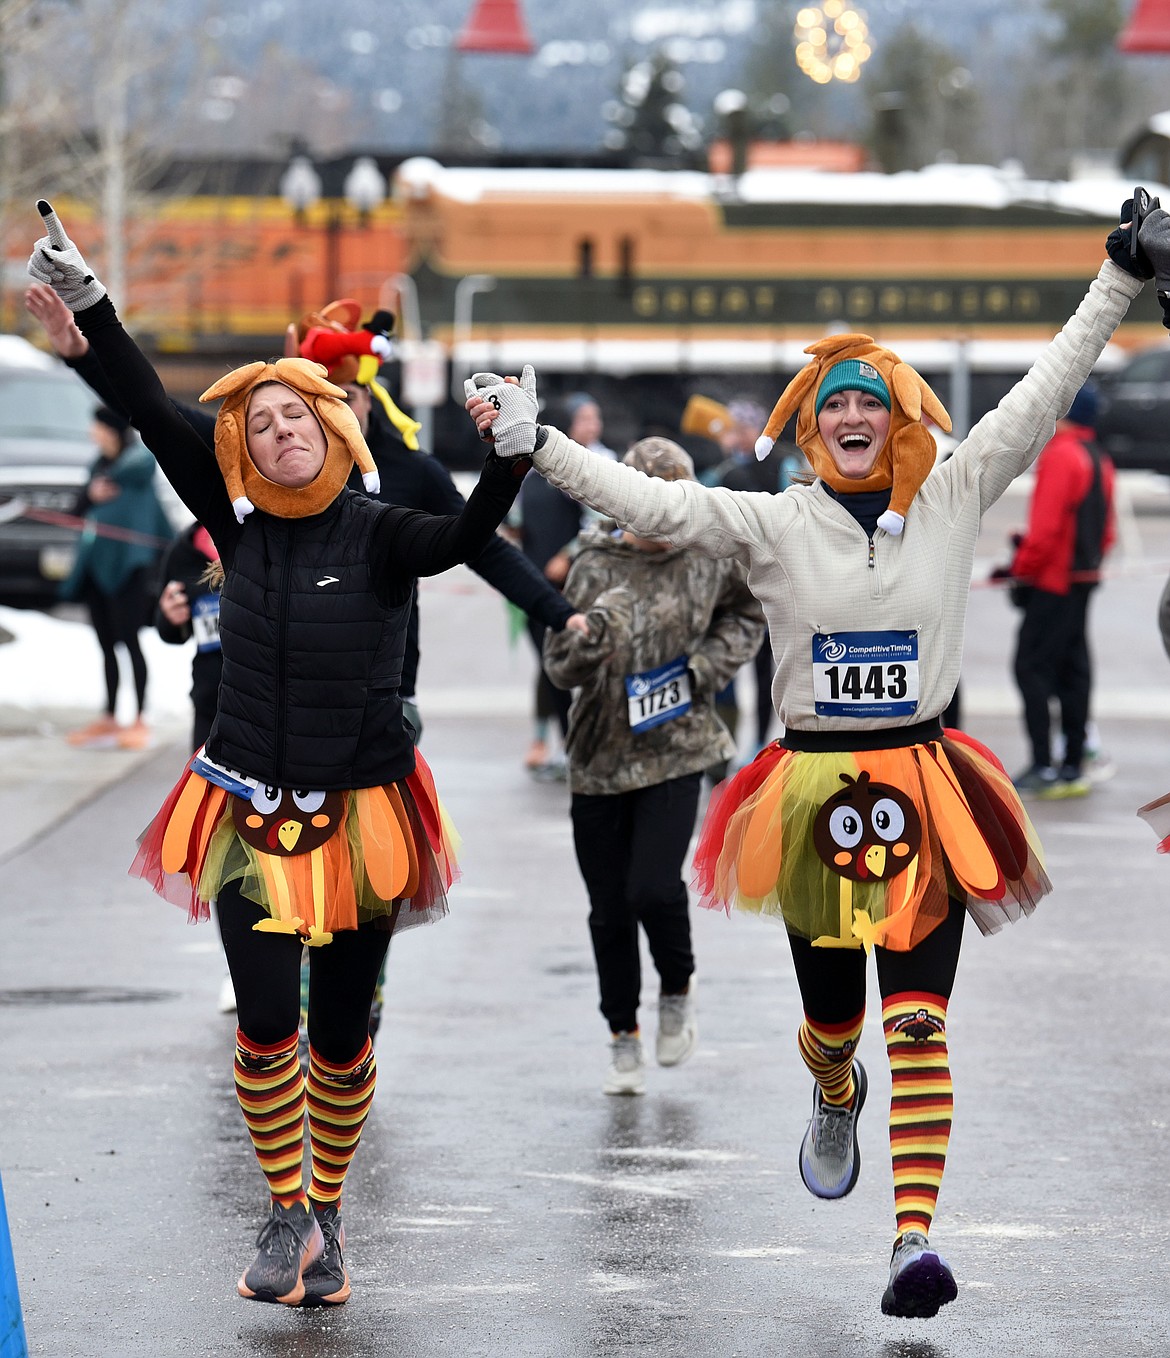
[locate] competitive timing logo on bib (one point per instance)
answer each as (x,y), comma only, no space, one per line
(831,650)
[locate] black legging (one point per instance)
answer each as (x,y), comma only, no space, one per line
(266,974)
(832,980)
(116,619)
(630,848)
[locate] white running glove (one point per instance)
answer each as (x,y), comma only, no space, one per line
(514,428)
(55,260)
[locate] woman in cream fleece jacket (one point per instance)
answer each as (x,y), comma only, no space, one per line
(866,826)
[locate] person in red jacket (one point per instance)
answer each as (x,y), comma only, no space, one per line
(1070,528)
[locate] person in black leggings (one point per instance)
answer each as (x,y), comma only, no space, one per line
(125,530)
(309,817)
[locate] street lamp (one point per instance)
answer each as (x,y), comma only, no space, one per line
(300,186)
(364,189)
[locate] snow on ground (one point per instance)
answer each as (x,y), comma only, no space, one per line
(55,663)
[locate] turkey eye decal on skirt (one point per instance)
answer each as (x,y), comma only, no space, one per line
(868,831)
(281,822)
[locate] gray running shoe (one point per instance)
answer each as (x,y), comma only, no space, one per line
(326,1280)
(830,1158)
(678,1027)
(920,1280)
(289,1241)
(627,1067)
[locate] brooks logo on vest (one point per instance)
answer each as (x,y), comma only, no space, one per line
(329,580)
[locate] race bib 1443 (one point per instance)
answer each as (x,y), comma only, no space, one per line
(865,674)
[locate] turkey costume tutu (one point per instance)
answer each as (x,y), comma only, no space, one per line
(351,856)
(863,846)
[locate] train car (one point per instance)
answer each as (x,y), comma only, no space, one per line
(646,286)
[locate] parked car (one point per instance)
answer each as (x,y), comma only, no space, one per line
(45,452)
(1133,422)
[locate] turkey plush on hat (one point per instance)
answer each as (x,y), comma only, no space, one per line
(857,363)
(351,353)
(247,488)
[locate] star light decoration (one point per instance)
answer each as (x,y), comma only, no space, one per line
(832,41)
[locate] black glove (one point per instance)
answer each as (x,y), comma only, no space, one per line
(1119,245)
(380,323)
(1154,241)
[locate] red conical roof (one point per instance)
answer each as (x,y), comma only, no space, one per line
(1148,29)
(495,26)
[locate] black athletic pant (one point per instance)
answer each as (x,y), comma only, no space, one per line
(630,848)
(832,980)
(116,619)
(1052,661)
(266,974)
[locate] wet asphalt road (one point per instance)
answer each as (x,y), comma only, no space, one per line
(499,1204)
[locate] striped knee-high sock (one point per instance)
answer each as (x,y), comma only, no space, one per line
(921,1103)
(827,1049)
(271,1091)
(339,1099)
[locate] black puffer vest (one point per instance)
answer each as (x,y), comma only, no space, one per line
(311,659)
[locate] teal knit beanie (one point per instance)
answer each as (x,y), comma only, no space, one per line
(852,374)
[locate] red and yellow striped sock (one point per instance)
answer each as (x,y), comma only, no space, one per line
(271,1091)
(827,1050)
(339,1099)
(921,1103)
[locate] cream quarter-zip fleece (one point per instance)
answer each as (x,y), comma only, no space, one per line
(810,563)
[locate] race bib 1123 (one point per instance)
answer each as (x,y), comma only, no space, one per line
(865,674)
(658,695)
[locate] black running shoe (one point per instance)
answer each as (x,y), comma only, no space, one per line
(289,1242)
(920,1280)
(326,1281)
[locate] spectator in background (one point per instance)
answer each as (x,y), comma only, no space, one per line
(113,575)
(549,522)
(189,607)
(1057,562)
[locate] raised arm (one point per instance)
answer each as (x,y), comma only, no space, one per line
(717,522)
(188,464)
(1008,439)
(409,543)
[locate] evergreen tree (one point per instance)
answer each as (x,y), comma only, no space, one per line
(651,124)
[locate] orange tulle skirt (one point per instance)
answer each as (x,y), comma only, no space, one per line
(756,850)
(393,857)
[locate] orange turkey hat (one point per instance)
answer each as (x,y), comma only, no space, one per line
(908,454)
(246,487)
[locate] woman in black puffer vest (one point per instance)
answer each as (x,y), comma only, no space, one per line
(309,816)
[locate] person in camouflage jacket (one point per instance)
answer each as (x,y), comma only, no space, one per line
(667,629)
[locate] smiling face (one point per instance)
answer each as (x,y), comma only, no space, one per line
(285,442)
(853,426)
